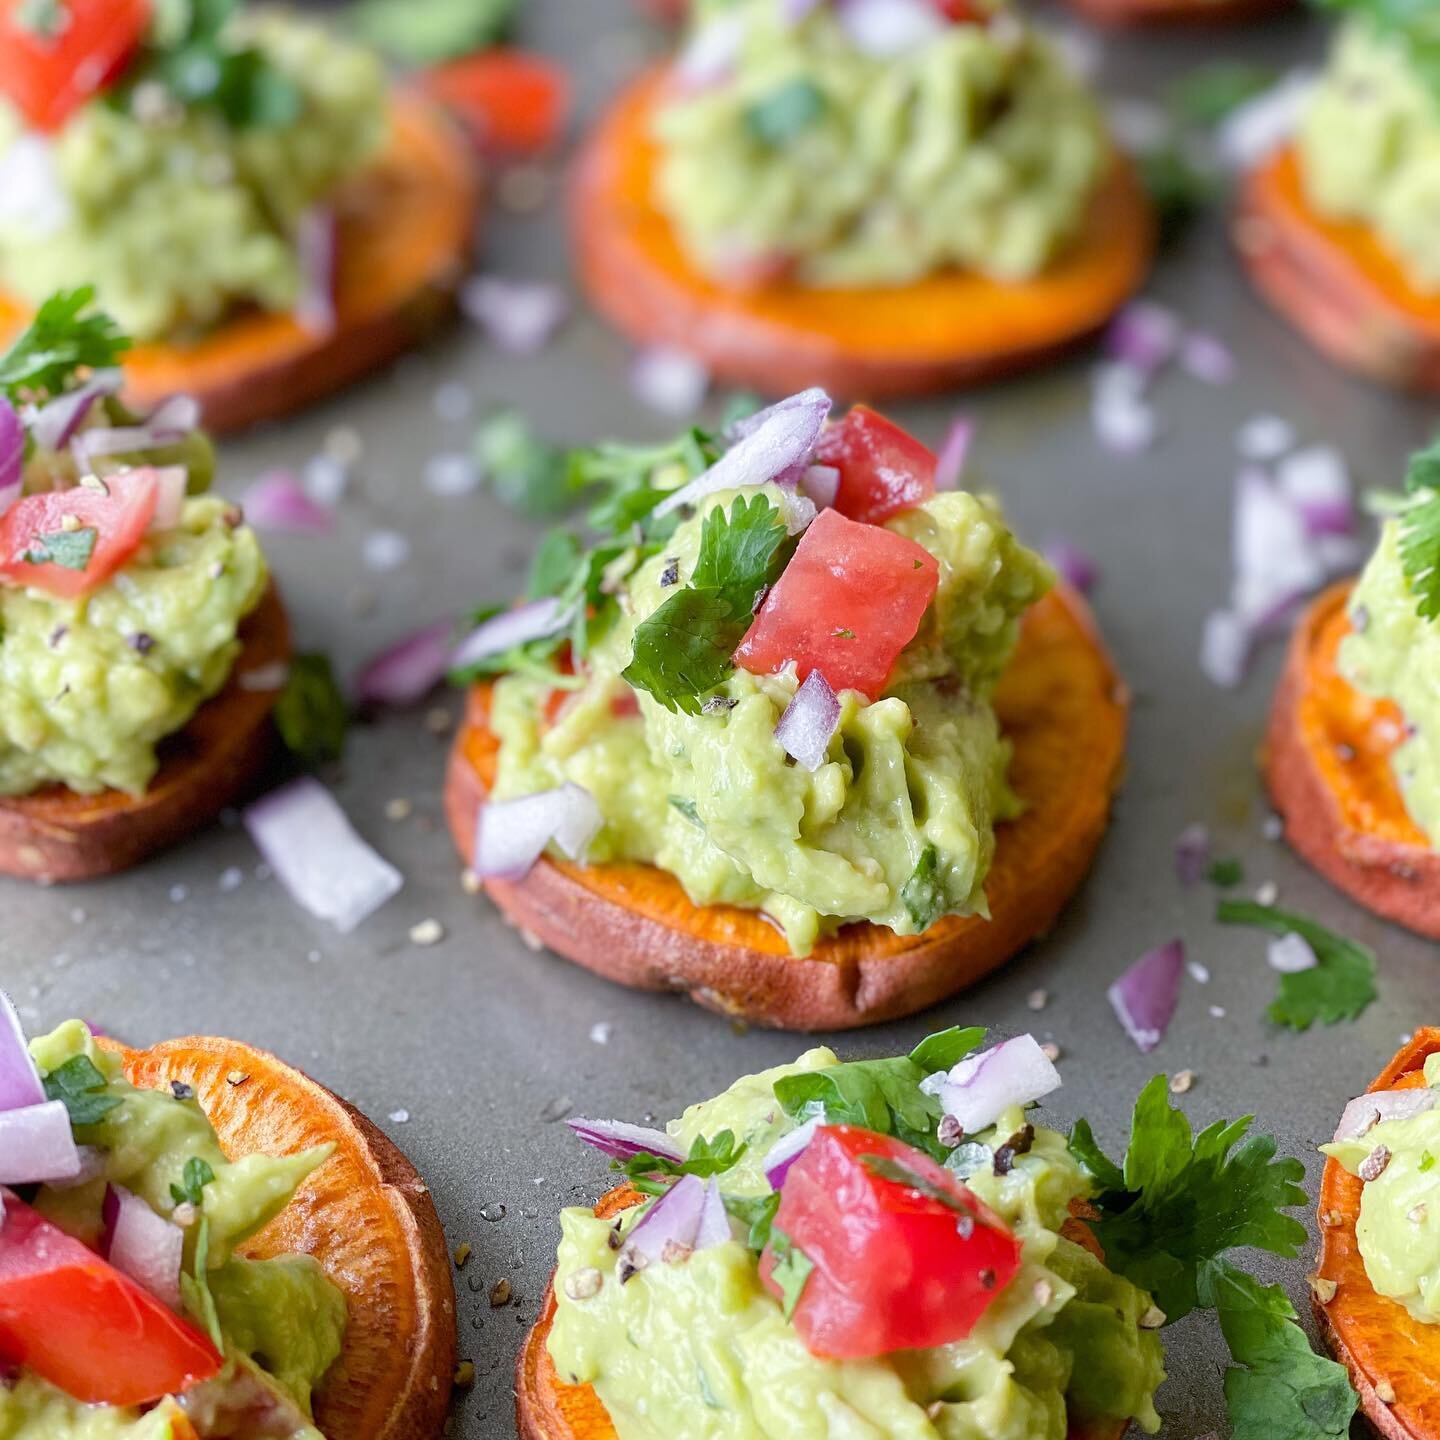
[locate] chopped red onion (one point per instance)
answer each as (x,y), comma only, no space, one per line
(1265,437)
(711,54)
(32,192)
(93,1161)
(714,1227)
(171,483)
(1143,336)
(1145,996)
(12,455)
(53,426)
(1123,420)
(689,1216)
(520,317)
(1206,357)
(277,501)
(37,1144)
(671,381)
(1290,954)
(950,464)
(809,722)
(143,1245)
(511,835)
(1225,644)
(1192,854)
(797,511)
(821,483)
(538,620)
(315,852)
(621,1141)
(1252,130)
(1075,566)
(177,415)
(786,1151)
(1276,565)
(1366,1111)
(1316,482)
(317,242)
(406,672)
(982,1087)
(887,28)
(20,1085)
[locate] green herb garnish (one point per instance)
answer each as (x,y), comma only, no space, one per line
(427,32)
(1209,93)
(311,713)
(922,895)
(757,1214)
(1419,521)
(1225,873)
(82,1089)
(196,1175)
(686,807)
(195,1286)
(70,549)
(527,474)
(67,335)
(784,113)
(706,1158)
(793,1267)
(45,19)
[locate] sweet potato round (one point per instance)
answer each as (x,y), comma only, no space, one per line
(365,1215)
(56,835)
(1064,708)
(405,229)
(956,328)
(1335,281)
(1327,763)
(1178,12)
(1375,1338)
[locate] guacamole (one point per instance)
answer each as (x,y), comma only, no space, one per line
(1394,654)
(1369,147)
(817,161)
(221,205)
(281,1321)
(701,1348)
(914,779)
(1399,1227)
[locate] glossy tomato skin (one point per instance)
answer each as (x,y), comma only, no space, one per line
(79,1323)
(850,600)
(48,78)
(512,102)
(883,469)
(895,1269)
(119,515)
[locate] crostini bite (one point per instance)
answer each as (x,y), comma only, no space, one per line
(1338,228)
(311,222)
(142,645)
(814,766)
(198,1241)
(1351,754)
(809,196)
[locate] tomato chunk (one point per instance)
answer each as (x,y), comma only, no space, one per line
(79,1323)
(883,469)
(49,71)
(850,600)
(89,534)
(510,101)
(904,1256)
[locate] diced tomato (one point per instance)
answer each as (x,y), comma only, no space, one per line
(48,76)
(850,600)
(883,469)
(897,1265)
(111,522)
(512,102)
(79,1323)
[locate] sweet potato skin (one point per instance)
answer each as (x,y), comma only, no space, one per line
(366,1215)
(1327,765)
(55,835)
(1373,1337)
(405,230)
(1066,711)
(1335,282)
(952,329)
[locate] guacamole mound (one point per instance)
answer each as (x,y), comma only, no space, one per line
(1394,654)
(918,776)
(89,687)
(282,1321)
(1399,1226)
(221,205)
(700,1348)
(832,167)
(1369,146)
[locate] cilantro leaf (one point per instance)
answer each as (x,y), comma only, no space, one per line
(1340,987)
(196,1175)
(70,549)
(1225,872)
(945,1049)
(884,1168)
(530,476)
(311,713)
(1208,93)
(82,1089)
(66,335)
(1188,1199)
(1284,1391)
(687,808)
(793,1267)
(553,565)
(1419,524)
(426,32)
(757,1214)
(706,1158)
(780,116)
(195,1286)
(922,895)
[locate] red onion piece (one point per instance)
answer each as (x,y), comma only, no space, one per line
(1252,130)
(1192,854)
(1206,357)
(20,1085)
(519,317)
(621,1141)
(37,1144)
(93,1161)
(406,672)
(810,721)
(714,1226)
(1075,566)
(12,455)
(1276,564)
(1316,483)
(821,485)
(1224,649)
(1143,335)
(711,54)
(317,856)
(277,501)
(669,380)
(1365,1112)
(171,482)
(682,1220)
(1122,417)
(1145,996)
(317,242)
(786,1151)
(511,835)
(982,1087)
(1290,954)
(53,426)
(538,620)
(143,1245)
(887,28)
(950,464)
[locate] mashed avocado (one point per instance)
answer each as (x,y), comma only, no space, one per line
(1370,148)
(284,1315)
(918,773)
(89,688)
(220,204)
(702,1349)
(1394,653)
(1399,1227)
(816,160)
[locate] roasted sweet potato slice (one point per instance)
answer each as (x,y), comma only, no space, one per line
(546,1409)
(1385,1349)
(1327,763)
(1178,12)
(1335,281)
(1065,709)
(57,835)
(365,1215)
(404,235)
(953,329)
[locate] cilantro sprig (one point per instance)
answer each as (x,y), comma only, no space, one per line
(82,1089)
(649,1173)
(1419,522)
(195,1176)
(66,336)
(1413,23)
